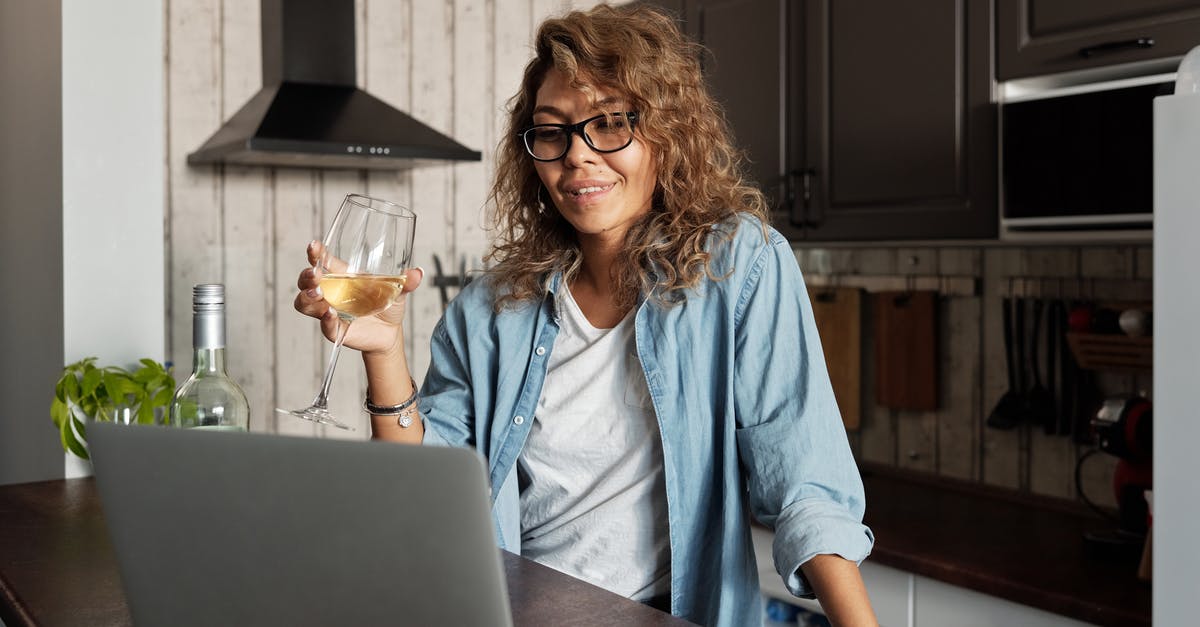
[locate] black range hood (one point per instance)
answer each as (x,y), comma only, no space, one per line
(309,112)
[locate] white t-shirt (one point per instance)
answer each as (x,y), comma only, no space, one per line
(593,495)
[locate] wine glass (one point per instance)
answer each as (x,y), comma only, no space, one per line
(362,273)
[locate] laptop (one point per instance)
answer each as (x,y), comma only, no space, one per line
(234,528)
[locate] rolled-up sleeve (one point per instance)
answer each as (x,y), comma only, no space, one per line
(800,473)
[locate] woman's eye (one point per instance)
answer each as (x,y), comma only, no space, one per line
(614,124)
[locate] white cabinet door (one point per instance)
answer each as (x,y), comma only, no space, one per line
(942,605)
(891,593)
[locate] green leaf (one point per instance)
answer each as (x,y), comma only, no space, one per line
(144,375)
(145,414)
(91,380)
(112,386)
(58,412)
(162,397)
(71,387)
(60,387)
(70,442)
(89,405)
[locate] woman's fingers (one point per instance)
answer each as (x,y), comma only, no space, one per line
(311,303)
(308,279)
(414,279)
(315,249)
(318,258)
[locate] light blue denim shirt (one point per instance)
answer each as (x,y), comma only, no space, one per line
(747,416)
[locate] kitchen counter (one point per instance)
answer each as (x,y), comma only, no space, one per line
(1026,549)
(58,568)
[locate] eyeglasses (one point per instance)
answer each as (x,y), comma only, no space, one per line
(607,132)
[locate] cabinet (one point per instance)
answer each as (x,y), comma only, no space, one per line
(862,119)
(1037,37)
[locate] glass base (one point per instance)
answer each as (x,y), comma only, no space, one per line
(316,414)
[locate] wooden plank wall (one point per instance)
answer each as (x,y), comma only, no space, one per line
(452,64)
(954,441)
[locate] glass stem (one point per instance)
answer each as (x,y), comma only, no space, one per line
(322,399)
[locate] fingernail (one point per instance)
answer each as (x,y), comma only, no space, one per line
(313,245)
(317,290)
(311,293)
(421,270)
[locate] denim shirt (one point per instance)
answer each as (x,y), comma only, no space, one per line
(746,413)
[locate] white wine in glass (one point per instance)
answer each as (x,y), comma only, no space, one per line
(362,273)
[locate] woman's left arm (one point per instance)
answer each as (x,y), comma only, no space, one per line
(840,588)
(800,473)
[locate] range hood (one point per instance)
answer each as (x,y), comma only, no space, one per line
(309,112)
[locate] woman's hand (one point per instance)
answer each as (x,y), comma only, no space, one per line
(381,334)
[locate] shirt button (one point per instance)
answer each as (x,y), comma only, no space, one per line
(541,350)
(519,420)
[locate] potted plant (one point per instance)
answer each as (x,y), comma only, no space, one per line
(107,394)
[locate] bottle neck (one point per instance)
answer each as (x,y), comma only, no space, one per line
(208,342)
(208,360)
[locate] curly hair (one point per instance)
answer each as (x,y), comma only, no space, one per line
(638,52)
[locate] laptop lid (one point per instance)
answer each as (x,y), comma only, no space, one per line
(227,528)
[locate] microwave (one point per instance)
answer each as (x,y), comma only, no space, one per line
(1080,157)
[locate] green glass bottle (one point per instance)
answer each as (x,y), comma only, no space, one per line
(209,399)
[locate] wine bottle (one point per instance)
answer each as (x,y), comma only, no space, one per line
(209,399)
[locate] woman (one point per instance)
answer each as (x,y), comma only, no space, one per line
(639,366)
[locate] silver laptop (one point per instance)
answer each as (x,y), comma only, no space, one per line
(219,528)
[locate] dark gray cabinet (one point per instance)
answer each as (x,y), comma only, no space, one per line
(863,119)
(1036,37)
(900,137)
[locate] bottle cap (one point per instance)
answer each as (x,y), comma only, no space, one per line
(208,308)
(209,293)
(208,297)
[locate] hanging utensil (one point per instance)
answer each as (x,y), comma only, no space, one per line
(1039,402)
(1011,407)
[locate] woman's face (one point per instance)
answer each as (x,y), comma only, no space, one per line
(600,194)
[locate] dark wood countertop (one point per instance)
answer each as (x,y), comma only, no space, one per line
(1029,550)
(58,568)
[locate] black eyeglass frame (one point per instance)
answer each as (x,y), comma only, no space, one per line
(577,129)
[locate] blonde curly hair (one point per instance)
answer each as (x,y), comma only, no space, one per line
(640,53)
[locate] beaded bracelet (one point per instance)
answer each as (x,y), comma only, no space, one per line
(404,412)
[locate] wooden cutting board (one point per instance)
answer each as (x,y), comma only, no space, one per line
(906,350)
(838,312)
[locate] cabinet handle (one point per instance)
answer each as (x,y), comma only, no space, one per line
(1116,46)
(808,221)
(787,202)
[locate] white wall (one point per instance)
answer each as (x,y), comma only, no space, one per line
(113,178)
(1176,349)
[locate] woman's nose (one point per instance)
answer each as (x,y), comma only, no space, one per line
(579,152)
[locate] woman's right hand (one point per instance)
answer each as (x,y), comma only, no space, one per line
(381,334)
